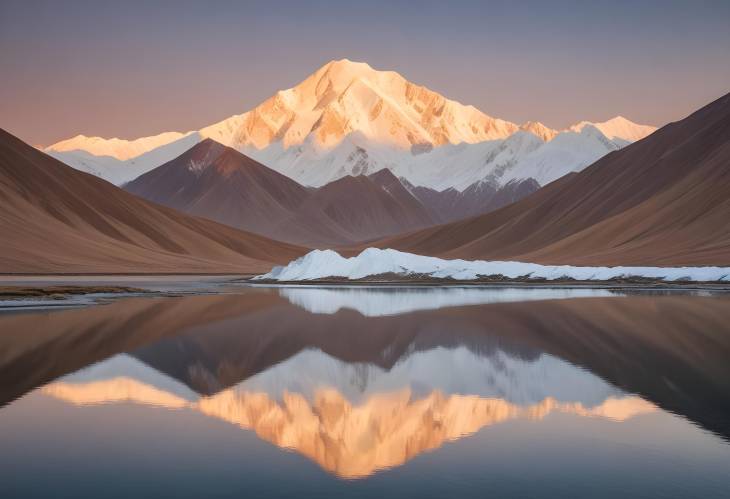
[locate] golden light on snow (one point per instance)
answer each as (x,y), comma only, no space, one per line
(350,441)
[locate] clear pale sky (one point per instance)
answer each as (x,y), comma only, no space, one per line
(130,69)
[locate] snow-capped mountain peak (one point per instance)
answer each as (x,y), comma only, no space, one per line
(537,128)
(116,148)
(343,97)
(348,118)
(618,128)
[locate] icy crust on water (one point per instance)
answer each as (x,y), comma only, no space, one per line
(320,264)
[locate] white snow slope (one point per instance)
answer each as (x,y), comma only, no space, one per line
(320,264)
(116,148)
(348,119)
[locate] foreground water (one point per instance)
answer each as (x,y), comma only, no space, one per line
(365,392)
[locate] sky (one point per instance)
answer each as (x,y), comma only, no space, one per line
(130,69)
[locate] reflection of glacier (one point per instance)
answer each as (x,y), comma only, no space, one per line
(379,301)
(355,419)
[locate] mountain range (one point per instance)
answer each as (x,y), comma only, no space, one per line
(664,200)
(427,175)
(659,201)
(350,119)
(217,182)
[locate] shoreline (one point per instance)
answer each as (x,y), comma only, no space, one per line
(81,286)
(506,283)
(125,274)
(24,297)
(61,292)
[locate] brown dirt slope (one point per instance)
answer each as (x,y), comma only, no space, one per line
(214,181)
(367,207)
(56,219)
(219,183)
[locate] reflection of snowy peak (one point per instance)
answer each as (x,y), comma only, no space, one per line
(356,419)
(453,370)
(350,119)
(445,370)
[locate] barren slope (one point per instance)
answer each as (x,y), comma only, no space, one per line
(56,219)
(220,183)
(664,200)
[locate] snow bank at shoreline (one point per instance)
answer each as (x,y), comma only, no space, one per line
(320,264)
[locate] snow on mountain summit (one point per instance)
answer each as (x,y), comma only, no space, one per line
(347,118)
(116,148)
(344,97)
(537,128)
(339,98)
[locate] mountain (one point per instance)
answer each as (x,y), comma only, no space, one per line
(618,128)
(62,220)
(338,99)
(348,119)
(450,204)
(540,130)
(111,168)
(519,157)
(218,182)
(664,200)
(343,97)
(365,206)
(328,429)
(116,148)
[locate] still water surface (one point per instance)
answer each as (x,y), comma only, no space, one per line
(369,392)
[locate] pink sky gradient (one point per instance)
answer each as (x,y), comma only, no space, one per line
(131,69)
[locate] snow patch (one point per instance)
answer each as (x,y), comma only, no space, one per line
(320,264)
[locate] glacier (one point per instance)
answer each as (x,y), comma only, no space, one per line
(321,264)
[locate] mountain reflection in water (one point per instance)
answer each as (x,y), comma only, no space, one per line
(365,380)
(351,441)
